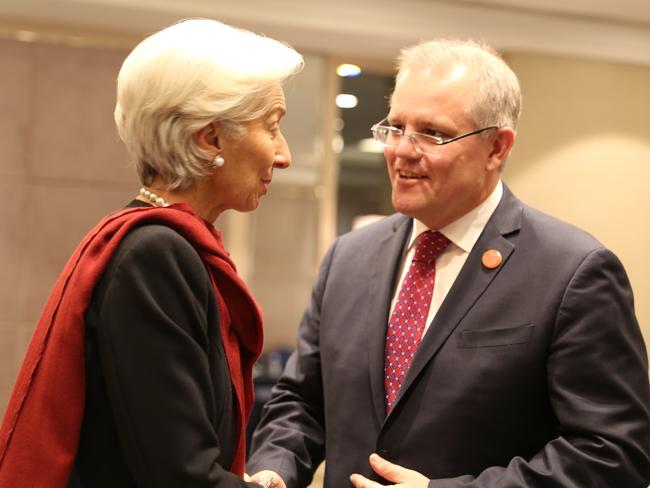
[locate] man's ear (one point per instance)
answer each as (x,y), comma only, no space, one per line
(501,146)
(207,138)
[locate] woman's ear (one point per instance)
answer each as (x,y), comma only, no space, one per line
(207,138)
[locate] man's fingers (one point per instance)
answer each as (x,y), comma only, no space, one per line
(389,471)
(406,478)
(362,482)
(399,475)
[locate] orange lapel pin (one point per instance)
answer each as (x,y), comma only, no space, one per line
(491,259)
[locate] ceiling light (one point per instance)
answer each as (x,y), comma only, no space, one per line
(370,145)
(348,70)
(345,100)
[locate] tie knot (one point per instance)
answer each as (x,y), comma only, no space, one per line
(428,245)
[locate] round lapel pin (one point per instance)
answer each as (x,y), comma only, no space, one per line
(491,259)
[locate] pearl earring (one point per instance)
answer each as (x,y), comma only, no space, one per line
(218,161)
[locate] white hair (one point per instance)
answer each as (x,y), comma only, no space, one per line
(496,93)
(186,76)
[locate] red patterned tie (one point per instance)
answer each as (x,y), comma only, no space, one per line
(410,313)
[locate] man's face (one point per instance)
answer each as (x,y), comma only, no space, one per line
(441,187)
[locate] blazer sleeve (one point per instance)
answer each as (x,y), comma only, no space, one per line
(597,377)
(290,437)
(154,347)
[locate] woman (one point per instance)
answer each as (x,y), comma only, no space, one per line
(139,372)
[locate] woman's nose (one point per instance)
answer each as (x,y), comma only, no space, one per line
(282,154)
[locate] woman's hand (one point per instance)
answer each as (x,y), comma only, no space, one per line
(266,479)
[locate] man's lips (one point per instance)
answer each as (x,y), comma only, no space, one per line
(408,175)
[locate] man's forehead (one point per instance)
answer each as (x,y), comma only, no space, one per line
(422,73)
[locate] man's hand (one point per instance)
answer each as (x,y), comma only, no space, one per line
(401,477)
(267,479)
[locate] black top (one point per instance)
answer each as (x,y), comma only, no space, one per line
(159,408)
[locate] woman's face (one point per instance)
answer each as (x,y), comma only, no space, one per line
(251,157)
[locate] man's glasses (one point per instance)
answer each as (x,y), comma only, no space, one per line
(389,136)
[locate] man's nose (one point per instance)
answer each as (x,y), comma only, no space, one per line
(406,148)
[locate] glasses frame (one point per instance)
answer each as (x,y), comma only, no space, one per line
(438,141)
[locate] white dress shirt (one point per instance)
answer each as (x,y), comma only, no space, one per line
(462,234)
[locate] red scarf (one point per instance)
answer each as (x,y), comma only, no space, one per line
(40,431)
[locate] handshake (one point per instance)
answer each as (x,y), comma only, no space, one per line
(399,476)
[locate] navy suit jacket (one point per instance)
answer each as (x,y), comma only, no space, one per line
(531,374)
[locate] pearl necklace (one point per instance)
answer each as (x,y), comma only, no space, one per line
(156,200)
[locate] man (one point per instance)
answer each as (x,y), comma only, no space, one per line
(505,354)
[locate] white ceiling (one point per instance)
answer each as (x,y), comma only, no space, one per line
(629,11)
(603,29)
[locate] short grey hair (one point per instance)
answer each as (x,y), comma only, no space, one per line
(184,77)
(497,95)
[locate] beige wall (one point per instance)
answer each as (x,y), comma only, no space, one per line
(583,154)
(61,168)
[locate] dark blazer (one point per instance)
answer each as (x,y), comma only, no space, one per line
(159,408)
(532,374)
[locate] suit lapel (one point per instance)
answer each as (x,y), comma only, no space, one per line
(470,284)
(387,260)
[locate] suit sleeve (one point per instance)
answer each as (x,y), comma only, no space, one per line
(153,344)
(597,377)
(290,438)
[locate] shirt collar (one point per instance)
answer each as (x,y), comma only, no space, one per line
(465,231)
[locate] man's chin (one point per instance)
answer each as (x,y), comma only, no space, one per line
(404,207)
